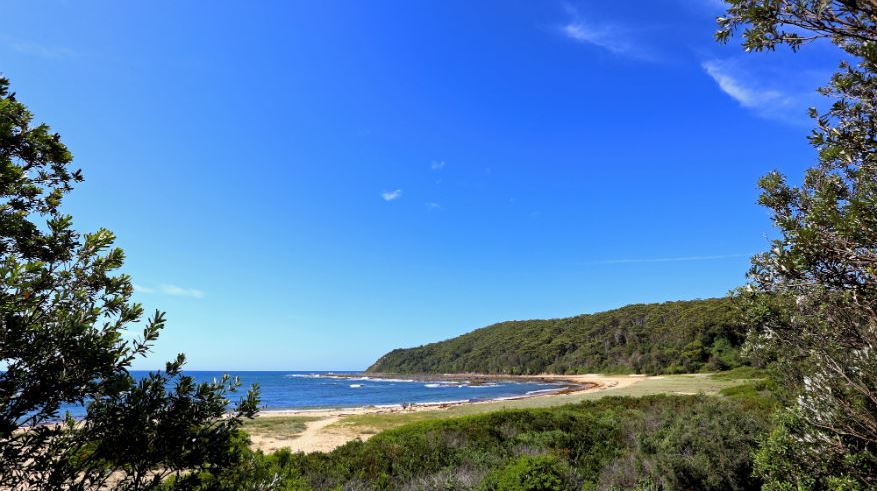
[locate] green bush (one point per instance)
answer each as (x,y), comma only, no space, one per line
(542,473)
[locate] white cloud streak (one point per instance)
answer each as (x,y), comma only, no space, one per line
(143,289)
(742,92)
(437,165)
(605,37)
(172,290)
(42,51)
(754,88)
(614,38)
(391,195)
(177,291)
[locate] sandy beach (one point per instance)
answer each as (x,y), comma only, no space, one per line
(324,431)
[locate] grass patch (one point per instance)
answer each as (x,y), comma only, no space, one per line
(741,373)
(755,395)
(377,422)
(278,427)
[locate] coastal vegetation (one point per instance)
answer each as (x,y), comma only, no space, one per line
(671,337)
(732,383)
(653,442)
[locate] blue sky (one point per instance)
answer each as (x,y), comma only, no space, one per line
(306,185)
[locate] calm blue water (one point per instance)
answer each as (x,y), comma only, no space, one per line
(313,390)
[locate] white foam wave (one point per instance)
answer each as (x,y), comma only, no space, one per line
(353,378)
(389,380)
(507,398)
(540,391)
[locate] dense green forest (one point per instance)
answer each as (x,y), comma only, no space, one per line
(671,337)
(656,442)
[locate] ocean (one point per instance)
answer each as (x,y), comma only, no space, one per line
(303,390)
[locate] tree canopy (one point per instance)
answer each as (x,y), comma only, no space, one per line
(65,319)
(671,337)
(814,293)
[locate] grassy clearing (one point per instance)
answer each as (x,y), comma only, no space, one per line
(705,383)
(377,422)
(741,373)
(280,427)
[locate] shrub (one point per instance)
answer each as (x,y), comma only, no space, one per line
(656,442)
(542,473)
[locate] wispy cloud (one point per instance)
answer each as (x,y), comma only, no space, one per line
(181,292)
(785,104)
(432,205)
(143,289)
(172,290)
(437,165)
(669,259)
(40,50)
(615,38)
(745,94)
(605,37)
(391,195)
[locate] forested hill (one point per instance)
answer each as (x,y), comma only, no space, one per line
(671,337)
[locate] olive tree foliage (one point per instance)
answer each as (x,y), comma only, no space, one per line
(814,294)
(64,317)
